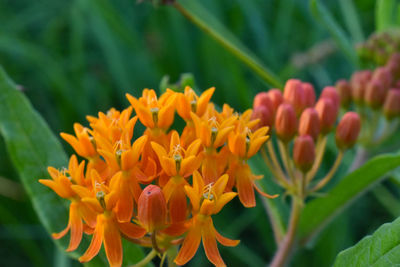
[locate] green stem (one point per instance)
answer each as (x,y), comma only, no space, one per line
(282,255)
(146,259)
(330,174)
(216,30)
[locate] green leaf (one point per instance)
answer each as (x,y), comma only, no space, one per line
(197,14)
(321,211)
(32,147)
(385,14)
(382,248)
(322,14)
(352,20)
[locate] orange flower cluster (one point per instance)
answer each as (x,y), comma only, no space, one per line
(139,189)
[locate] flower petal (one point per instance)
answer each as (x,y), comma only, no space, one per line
(210,244)
(132,230)
(76,227)
(112,243)
(95,244)
(226,241)
(189,246)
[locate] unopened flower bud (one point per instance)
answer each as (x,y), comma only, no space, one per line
(348,130)
(294,94)
(327,114)
(393,65)
(264,115)
(286,122)
(262,99)
(276,97)
(331,93)
(152,208)
(304,152)
(359,82)
(344,90)
(309,123)
(383,75)
(375,94)
(391,107)
(309,93)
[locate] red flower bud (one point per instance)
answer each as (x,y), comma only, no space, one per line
(359,82)
(393,65)
(152,208)
(348,130)
(309,123)
(264,115)
(331,93)
(294,94)
(304,152)
(375,94)
(327,114)
(262,99)
(383,75)
(276,97)
(391,107)
(286,122)
(309,93)
(344,89)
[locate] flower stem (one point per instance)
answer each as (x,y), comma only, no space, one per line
(330,174)
(286,245)
(321,143)
(146,259)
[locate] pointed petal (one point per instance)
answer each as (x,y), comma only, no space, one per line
(203,101)
(263,193)
(124,207)
(226,241)
(62,233)
(56,187)
(223,200)
(220,184)
(112,243)
(74,143)
(210,244)
(245,189)
(95,244)
(189,246)
(255,145)
(178,205)
(76,227)
(132,230)
(190,164)
(193,197)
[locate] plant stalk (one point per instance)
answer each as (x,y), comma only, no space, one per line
(285,247)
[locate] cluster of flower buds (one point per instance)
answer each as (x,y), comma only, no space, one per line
(139,189)
(379,47)
(297,117)
(374,93)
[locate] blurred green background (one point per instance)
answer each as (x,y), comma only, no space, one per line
(75,58)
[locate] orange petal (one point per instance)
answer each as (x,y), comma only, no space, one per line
(175,229)
(76,227)
(225,241)
(88,215)
(132,230)
(203,101)
(112,243)
(56,187)
(255,145)
(193,148)
(225,198)
(124,207)
(193,197)
(245,189)
(138,146)
(62,233)
(263,193)
(221,136)
(178,205)
(166,114)
(74,143)
(190,164)
(210,244)
(220,184)
(189,247)
(95,244)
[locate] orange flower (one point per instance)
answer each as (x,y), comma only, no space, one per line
(107,230)
(178,164)
(190,102)
(78,211)
(206,201)
(82,143)
(244,144)
(153,112)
